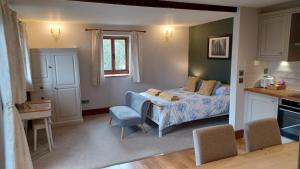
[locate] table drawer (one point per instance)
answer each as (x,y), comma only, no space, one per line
(42,87)
(41,96)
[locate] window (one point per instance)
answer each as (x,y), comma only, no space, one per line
(115,53)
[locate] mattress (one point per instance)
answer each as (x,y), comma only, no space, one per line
(191,106)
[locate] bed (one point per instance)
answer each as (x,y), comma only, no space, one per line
(190,107)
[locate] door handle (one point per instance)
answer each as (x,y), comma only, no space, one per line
(55,88)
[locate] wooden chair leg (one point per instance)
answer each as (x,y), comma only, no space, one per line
(143,129)
(35,139)
(48,134)
(110,120)
(122,133)
(50,131)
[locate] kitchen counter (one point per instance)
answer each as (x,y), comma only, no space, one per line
(283,94)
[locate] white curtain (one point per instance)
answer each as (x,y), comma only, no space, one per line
(13,88)
(97,58)
(135,64)
(25,55)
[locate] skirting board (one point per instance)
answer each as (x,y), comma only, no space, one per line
(239,134)
(95,111)
(66,123)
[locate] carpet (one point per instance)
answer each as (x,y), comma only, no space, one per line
(95,144)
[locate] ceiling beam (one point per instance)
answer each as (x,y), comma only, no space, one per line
(166,4)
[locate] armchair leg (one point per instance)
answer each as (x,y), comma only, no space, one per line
(122,133)
(110,120)
(143,129)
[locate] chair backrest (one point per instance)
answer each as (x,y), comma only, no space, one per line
(139,103)
(214,143)
(260,134)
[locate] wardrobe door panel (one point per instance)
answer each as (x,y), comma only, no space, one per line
(41,67)
(68,104)
(66,70)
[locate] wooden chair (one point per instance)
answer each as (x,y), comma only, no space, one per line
(214,143)
(261,134)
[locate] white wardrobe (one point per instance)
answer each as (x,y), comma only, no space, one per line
(55,73)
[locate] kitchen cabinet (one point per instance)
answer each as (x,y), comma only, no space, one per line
(273,38)
(56,77)
(294,45)
(278,36)
(260,106)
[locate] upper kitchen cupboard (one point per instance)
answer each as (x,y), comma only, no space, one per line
(294,45)
(278,39)
(56,77)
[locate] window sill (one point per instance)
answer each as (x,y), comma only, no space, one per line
(116,75)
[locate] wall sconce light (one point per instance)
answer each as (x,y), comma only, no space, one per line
(55,31)
(168,30)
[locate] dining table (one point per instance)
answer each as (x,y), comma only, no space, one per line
(284,156)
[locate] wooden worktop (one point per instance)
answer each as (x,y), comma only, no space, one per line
(284,94)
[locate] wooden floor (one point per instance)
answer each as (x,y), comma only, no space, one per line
(177,160)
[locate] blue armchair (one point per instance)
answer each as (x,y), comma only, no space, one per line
(133,113)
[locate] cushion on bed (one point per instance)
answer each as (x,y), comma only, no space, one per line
(198,85)
(218,85)
(207,87)
(190,84)
(222,91)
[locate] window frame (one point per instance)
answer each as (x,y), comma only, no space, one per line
(114,71)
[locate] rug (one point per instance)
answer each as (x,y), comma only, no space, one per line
(95,144)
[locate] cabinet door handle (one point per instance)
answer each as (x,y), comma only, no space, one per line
(42,98)
(41,87)
(55,88)
(50,67)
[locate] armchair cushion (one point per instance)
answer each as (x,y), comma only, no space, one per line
(125,115)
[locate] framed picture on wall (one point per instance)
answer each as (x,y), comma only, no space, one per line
(219,47)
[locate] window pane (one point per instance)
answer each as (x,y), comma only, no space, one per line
(107,54)
(120,54)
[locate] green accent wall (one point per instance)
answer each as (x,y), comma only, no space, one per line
(199,64)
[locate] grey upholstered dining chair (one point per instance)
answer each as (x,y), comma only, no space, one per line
(214,143)
(261,134)
(133,113)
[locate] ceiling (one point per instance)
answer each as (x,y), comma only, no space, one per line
(95,13)
(243,3)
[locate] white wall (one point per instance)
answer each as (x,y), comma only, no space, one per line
(1,137)
(243,55)
(164,63)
